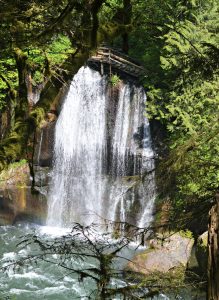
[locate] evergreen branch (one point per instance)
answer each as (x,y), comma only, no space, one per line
(189,41)
(6,81)
(65,12)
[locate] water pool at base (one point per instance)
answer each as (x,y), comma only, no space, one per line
(46,281)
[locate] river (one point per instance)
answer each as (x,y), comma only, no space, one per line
(49,281)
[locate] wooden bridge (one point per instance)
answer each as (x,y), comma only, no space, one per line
(114,60)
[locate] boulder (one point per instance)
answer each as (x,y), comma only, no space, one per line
(17,202)
(164,254)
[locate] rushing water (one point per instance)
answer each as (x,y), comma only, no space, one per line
(102,149)
(48,281)
(42,281)
(79,147)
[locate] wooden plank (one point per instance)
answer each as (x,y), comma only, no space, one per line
(106,54)
(126,66)
(117,62)
(120,59)
(120,54)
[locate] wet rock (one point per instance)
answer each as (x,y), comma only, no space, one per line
(42,176)
(45,135)
(162,212)
(20,204)
(44,146)
(130,191)
(164,255)
(17,202)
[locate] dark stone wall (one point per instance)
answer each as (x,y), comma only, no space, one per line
(44,146)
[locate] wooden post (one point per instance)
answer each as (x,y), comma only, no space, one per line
(127,8)
(110,62)
(213,252)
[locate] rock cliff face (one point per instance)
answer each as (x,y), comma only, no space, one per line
(44,146)
(16,200)
(201,252)
(43,152)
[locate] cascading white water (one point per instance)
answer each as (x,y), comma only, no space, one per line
(121,132)
(132,156)
(79,152)
(92,177)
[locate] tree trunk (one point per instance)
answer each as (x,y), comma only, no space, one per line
(127,7)
(213,252)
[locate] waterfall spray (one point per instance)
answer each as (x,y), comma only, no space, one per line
(92,178)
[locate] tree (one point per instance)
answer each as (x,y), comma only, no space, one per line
(28,33)
(186,101)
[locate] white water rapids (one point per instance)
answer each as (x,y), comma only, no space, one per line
(99,159)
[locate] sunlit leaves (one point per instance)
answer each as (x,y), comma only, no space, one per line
(189,103)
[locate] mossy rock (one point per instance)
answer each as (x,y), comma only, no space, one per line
(202,253)
(17,200)
(17,174)
(159,280)
(167,255)
(162,214)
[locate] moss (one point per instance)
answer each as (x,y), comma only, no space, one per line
(174,279)
(116,234)
(17,173)
(114,80)
(37,116)
(201,252)
(157,218)
(109,31)
(162,215)
(203,240)
(167,234)
(18,164)
(186,233)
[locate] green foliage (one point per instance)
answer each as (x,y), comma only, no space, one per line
(187,102)
(109,10)
(114,80)
(178,45)
(176,42)
(29,58)
(12,172)
(186,234)
(54,55)
(17,164)
(59,50)
(14,165)
(8,77)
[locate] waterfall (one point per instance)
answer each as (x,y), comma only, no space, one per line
(79,152)
(102,151)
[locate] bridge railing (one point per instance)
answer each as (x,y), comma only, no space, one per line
(117,60)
